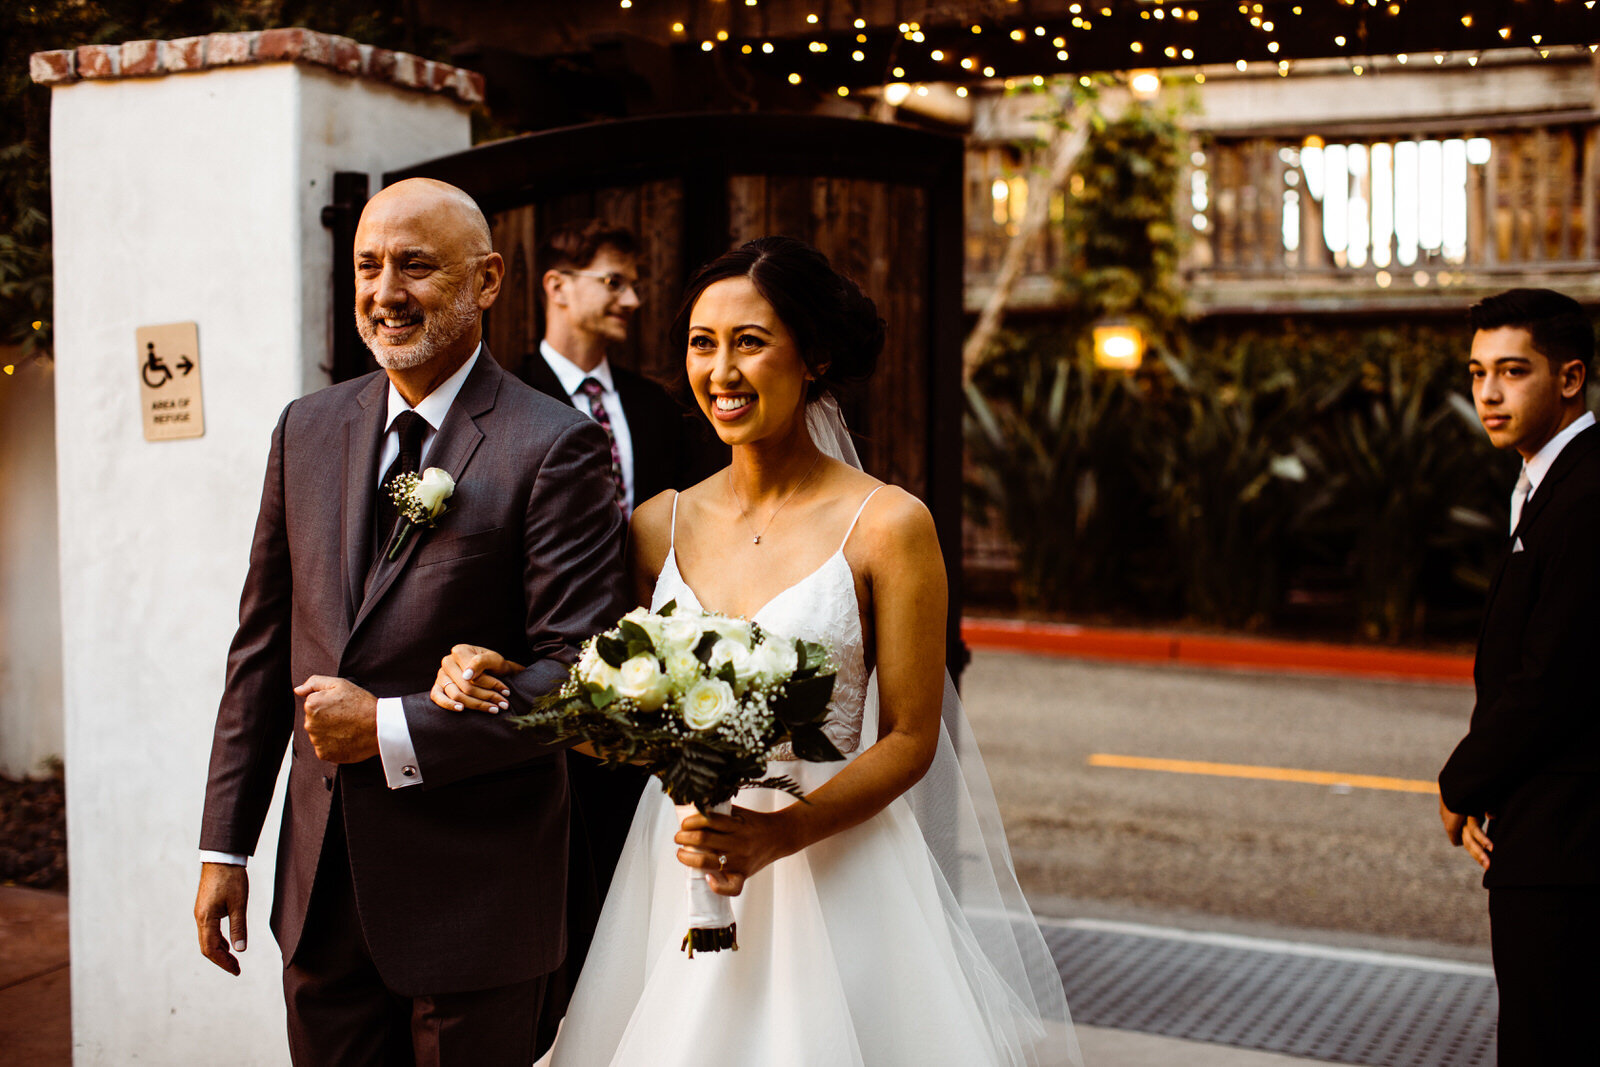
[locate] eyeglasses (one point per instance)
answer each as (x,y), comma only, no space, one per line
(613,281)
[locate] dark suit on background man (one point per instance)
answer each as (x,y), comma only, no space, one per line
(659,427)
(1531,761)
(457,884)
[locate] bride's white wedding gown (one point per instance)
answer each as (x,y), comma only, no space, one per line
(851,952)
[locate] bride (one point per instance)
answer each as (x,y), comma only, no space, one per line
(879,922)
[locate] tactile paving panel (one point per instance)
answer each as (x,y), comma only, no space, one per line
(1337,1010)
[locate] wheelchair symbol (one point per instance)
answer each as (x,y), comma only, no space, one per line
(155,371)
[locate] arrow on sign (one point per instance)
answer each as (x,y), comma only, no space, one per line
(185,365)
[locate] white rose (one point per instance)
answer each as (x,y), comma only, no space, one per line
(729,652)
(434,489)
(732,629)
(650,624)
(683,667)
(596,671)
(707,703)
(680,633)
(640,679)
(774,660)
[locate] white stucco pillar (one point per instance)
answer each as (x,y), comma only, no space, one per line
(188,179)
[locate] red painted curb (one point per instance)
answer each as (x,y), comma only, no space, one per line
(1135,646)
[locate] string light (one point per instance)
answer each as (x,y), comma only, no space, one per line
(677,27)
(794,79)
(706,46)
(766,47)
(961,91)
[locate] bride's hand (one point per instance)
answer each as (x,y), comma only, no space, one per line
(731,848)
(466,680)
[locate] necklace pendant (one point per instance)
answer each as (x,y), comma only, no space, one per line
(756,540)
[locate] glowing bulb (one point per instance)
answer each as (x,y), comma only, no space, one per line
(706,46)
(896,92)
(722,35)
(1241,65)
(767,47)
(961,91)
(794,79)
(936,55)
(812,19)
(988,72)
(1145,84)
(899,72)
(677,27)
(858,56)
(844,91)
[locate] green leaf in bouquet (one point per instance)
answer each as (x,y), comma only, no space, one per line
(805,700)
(727,674)
(708,641)
(613,650)
(813,654)
(783,784)
(604,698)
(637,639)
(812,745)
(668,608)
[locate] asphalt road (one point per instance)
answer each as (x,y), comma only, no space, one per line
(1357,866)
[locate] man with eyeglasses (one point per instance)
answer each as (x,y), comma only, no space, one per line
(587,273)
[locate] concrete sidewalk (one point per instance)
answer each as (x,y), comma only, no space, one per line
(36,1016)
(35,1004)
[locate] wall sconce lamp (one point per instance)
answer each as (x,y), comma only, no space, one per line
(1118,345)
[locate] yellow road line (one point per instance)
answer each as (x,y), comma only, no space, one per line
(1269,774)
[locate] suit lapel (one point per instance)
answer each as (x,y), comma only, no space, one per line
(1576,451)
(363,439)
(452,449)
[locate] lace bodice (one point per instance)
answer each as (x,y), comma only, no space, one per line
(820,607)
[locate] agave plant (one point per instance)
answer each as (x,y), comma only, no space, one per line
(1221,458)
(1414,481)
(1048,454)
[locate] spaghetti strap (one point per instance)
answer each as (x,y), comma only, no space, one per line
(853,521)
(672,533)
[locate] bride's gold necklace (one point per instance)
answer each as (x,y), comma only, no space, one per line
(745,514)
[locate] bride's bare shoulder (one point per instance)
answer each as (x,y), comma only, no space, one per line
(895,526)
(650,532)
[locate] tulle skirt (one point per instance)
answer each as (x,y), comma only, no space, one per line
(850,953)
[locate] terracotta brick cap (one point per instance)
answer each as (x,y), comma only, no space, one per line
(290,44)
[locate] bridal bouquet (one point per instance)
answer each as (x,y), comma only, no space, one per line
(701,701)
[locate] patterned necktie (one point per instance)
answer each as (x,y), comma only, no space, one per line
(1519,497)
(411,427)
(592,389)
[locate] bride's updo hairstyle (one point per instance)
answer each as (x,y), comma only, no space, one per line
(835,325)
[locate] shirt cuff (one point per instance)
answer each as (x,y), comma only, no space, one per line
(395,749)
(232,859)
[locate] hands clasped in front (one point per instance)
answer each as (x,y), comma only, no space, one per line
(729,848)
(1467,831)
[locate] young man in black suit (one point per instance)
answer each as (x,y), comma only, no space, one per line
(1521,792)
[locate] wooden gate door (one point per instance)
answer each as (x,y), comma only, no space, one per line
(884,203)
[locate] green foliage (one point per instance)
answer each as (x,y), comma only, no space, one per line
(1048,437)
(1264,460)
(1122,243)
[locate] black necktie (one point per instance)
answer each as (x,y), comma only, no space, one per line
(411,427)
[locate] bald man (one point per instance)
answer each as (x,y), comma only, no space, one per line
(421,869)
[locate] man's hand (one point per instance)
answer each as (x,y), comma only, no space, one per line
(224,891)
(1467,831)
(341,719)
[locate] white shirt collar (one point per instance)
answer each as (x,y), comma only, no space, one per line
(1540,464)
(436,405)
(570,375)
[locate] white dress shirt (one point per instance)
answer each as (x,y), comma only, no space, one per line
(571,376)
(1540,464)
(395,750)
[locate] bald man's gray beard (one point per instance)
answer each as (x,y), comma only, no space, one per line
(439,331)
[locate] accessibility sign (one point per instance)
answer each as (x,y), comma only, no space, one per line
(169,381)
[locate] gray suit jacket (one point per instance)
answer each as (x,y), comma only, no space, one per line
(460,881)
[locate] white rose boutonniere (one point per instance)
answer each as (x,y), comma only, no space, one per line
(420,499)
